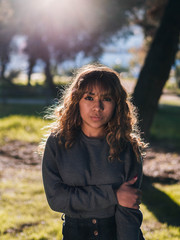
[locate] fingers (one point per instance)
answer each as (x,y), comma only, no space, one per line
(129,197)
(136,207)
(135,198)
(137,204)
(137,195)
(132,181)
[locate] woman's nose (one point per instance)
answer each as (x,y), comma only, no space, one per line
(98,105)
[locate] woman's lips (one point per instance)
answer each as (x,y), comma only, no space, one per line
(96,118)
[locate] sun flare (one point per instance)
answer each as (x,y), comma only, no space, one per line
(67,13)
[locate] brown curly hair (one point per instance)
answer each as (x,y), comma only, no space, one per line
(122,127)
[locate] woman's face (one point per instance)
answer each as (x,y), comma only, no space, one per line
(96,110)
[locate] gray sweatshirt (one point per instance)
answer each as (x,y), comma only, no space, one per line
(81,182)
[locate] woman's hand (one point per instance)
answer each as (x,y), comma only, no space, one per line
(128,196)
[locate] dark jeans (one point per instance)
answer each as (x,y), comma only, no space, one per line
(89,229)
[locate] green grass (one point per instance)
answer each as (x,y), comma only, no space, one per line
(39,79)
(22,122)
(37,90)
(166,127)
(172,87)
(23,128)
(22,109)
(25,214)
(24,211)
(161,210)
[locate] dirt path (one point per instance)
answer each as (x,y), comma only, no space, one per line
(17,154)
(157,164)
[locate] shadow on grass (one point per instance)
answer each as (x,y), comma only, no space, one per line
(22,109)
(159,203)
(165,129)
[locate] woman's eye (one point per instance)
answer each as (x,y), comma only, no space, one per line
(88,98)
(107,99)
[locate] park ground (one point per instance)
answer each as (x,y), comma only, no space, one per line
(24,212)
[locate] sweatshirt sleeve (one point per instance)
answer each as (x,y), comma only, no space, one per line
(129,220)
(71,199)
(133,167)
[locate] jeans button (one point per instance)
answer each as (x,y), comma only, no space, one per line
(94,221)
(95,233)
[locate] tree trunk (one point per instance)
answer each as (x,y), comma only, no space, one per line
(3,69)
(31,65)
(156,69)
(49,79)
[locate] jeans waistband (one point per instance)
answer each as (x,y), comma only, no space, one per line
(104,221)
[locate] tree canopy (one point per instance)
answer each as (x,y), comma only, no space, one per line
(58,30)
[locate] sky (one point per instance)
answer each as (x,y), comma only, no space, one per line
(117,53)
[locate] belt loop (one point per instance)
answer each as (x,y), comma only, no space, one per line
(63,217)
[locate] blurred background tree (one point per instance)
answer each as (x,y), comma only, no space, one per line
(7,32)
(177,69)
(57,31)
(158,62)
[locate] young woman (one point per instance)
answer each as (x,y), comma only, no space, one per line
(92,165)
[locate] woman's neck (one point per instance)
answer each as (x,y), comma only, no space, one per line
(98,133)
